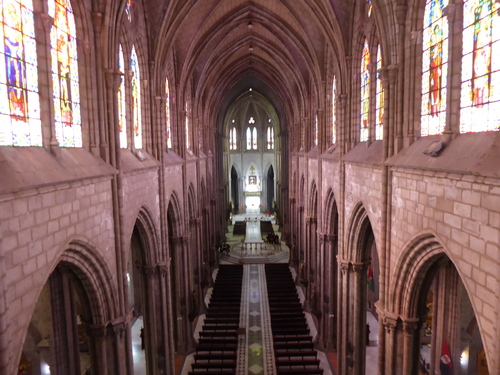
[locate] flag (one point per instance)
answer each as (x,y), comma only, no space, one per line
(445,364)
(370,278)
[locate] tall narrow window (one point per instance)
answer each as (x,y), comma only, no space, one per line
(128,10)
(65,81)
(272,138)
(122,102)
(434,68)
(167,115)
(234,139)
(136,99)
(369,7)
(365,93)
(334,110)
(249,139)
(20,123)
(254,138)
(187,126)
(269,138)
(480,94)
(316,130)
(379,107)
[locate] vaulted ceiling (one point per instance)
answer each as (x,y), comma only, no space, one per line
(223,47)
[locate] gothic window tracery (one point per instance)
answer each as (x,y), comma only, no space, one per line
(122,101)
(379,105)
(365,93)
(20,123)
(480,94)
(65,80)
(434,68)
(136,99)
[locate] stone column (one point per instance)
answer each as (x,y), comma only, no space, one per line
(118,331)
(99,355)
(342,321)
(390,323)
(410,329)
(359,317)
(166,352)
(150,329)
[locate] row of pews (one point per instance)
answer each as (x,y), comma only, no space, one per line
(293,346)
(217,346)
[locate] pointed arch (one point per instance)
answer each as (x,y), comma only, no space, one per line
(313,200)
(148,235)
(359,234)
(175,215)
(412,266)
(192,201)
(96,279)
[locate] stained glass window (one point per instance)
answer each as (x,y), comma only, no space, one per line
(136,99)
(128,10)
(369,7)
(19,102)
(480,93)
(365,93)
(334,110)
(379,107)
(316,130)
(249,139)
(434,68)
(234,139)
(268,138)
(65,81)
(254,138)
(122,102)
(272,138)
(167,115)
(187,126)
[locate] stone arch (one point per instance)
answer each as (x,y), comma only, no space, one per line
(95,277)
(359,228)
(78,299)
(149,236)
(423,261)
(353,325)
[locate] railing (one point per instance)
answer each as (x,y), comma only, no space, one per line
(258,249)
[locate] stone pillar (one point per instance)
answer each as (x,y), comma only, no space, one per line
(342,321)
(166,352)
(99,351)
(65,348)
(118,331)
(359,317)
(390,323)
(410,329)
(150,329)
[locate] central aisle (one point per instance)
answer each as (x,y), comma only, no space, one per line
(255,348)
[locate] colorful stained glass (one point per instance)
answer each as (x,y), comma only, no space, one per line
(249,139)
(122,102)
(65,81)
(365,93)
(379,105)
(128,10)
(254,138)
(20,123)
(480,93)
(434,68)
(268,138)
(316,130)
(136,99)
(187,126)
(369,7)
(234,139)
(334,110)
(167,114)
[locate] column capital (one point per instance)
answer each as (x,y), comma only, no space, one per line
(410,325)
(97,330)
